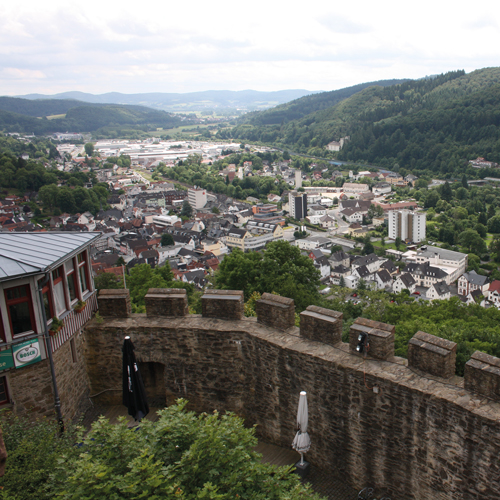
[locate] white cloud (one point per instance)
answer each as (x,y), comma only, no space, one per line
(146,46)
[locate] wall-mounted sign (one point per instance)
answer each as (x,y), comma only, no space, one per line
(6,359)
(26,353)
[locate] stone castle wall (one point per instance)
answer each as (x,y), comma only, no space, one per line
(373,421)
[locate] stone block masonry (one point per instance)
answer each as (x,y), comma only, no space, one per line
(432,355)
(415,437)
(33,384)
(166,302)
(482,375)
(275,311)
(225,304)
(323,325)
(115,303)
(380,335)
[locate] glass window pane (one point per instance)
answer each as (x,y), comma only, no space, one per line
(83,279)
(72,286)
(20,317)
(59,297)
(16,293)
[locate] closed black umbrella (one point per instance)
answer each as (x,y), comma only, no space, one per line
(134,394)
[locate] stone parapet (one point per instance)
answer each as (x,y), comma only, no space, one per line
(224,304)
(482,375)
(432,355)
(166,302)
(381,338)
(323,325)
(275,311)
(115,303)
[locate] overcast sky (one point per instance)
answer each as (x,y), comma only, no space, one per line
(142,46)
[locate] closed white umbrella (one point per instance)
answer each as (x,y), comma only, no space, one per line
(302,441)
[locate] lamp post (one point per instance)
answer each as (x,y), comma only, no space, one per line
(48,343)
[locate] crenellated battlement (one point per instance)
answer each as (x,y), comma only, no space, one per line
(409,426)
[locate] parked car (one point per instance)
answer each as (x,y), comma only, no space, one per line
(416,293)
(354,294)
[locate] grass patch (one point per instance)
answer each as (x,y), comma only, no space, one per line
(56,117)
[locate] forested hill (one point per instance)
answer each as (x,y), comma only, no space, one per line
(437,123)
(40,107)
(79,117)
(309,104)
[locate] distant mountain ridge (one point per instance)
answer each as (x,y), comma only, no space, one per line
(190,101)
(434,124)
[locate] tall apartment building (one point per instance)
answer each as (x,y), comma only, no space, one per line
(298,205)
(197,198)
(407,225)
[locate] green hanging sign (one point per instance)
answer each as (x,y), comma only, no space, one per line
(6,359)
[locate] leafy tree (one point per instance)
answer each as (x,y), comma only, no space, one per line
(34,449)
(446,192)
(494,224)
(89,149)
(495,249)
(465,184)
(182,455)
(187,209)
(167,240)
(281,269)
(368,248)
(215,210)
(472,241)
(142,277)
(431,199)
(397,242)
(107,281)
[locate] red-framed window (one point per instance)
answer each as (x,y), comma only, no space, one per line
(4,392)
(2,331)
(48,302)
(72,281)
(59,289)
(20,309)
(83,271)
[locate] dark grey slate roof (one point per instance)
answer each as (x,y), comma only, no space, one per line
(407,280)
(475,279)
(384,276)
(30,253)
(441,288)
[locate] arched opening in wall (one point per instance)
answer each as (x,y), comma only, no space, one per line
(153,376)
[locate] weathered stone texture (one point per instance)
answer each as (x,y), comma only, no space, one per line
(381,338)
(34,390)
(418,438)
(432,354)
(224,304)
(166,302)
(115,303)
(482,375)
(275,311)
(324,325)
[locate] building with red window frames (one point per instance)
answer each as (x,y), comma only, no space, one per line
(58,265)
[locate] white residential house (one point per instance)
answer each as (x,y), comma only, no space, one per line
(327,222)
(438,291)
(371,261)
(471,281)
(404,282)
(493,293)
(352,215)
(382,280)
